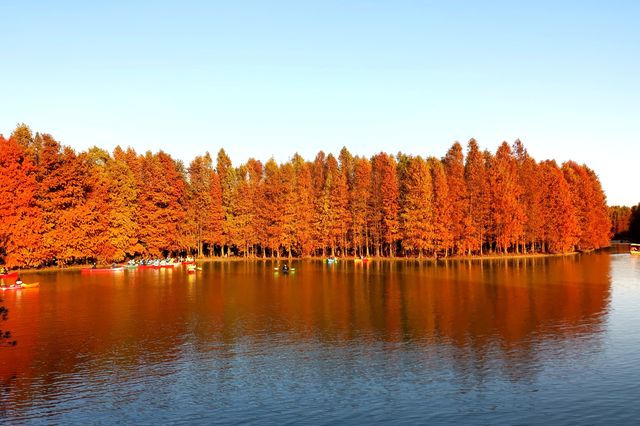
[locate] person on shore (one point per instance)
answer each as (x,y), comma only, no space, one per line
(3,270)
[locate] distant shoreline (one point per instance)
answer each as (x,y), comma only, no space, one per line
(492,257)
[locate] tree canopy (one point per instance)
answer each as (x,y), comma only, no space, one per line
(61,207)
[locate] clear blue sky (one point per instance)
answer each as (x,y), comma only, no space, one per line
(269,78)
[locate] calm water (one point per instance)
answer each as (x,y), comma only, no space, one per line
(553,341)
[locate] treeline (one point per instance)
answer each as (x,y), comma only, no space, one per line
(62,207)
(625,222)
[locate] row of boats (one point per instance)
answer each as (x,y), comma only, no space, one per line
(355,259)
(189,263)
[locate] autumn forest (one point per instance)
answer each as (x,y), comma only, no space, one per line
(60,207)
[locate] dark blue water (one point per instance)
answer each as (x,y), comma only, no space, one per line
(536,341)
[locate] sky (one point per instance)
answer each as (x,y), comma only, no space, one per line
(268,79)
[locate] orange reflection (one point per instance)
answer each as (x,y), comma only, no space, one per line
(475,310)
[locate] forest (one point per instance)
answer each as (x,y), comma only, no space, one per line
(625,223)
(60,207)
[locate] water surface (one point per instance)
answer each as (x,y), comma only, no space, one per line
(528,341)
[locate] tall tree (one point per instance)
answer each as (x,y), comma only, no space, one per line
(385,199)
(416,211)
(507,211)
(442,235)
(21,219)
(228,181)
(478,203)
(304,205)
(360,204)
(560,230)
(124,208)
(322,212)
(215,217)
(531,197)
(200,198)
(288,207)
(162,205)
(338,194)
(454,169)
(248,192)
(270,215)
(620,217)
(95,211)
(62,198)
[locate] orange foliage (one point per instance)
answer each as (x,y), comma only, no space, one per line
(61,207)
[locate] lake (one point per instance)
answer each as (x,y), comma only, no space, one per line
(526,341)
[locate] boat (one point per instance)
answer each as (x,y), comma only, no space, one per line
(147,266)
(634,249)
(20,286)
(9,275)
(155,265)
(192,268)
(98,270)
(361,259)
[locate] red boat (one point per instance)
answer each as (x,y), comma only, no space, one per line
(9,275)
(166,265)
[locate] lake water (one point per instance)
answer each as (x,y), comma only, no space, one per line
(529,341)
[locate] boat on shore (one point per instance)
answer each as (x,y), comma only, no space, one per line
(634,249)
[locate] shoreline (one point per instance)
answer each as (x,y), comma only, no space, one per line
(492,257)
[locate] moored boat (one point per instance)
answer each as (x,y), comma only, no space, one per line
(9,275)
(192,268)
(165,265)
(634,249)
